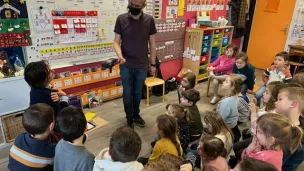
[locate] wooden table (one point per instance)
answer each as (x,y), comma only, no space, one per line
(296,50)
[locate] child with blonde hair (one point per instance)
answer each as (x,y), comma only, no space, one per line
(228,106)
(220,68)
(290,103)
(273,132)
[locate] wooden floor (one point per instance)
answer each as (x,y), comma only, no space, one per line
(113,112)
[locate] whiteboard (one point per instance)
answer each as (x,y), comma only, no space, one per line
(44,47)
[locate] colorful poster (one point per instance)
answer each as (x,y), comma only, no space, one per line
(14,24)
(171,12)
(75,26)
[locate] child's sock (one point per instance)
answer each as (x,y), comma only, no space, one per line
(211,73)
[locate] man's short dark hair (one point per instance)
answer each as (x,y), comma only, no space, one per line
(71,123)
(36,74)
(125,145)
(37,118)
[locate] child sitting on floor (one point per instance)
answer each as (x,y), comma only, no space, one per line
(70,152)
(32,150)
(213,154)
(125,146)
(178,112)
(243,67)
(220,68)
(189,99)
(290,103)
(166,127)
(39,75)
(228,106)
(187,82)
(273,132)
(278,71)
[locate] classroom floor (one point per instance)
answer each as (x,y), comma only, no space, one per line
(113,112)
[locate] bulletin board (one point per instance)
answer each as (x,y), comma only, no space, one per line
(52,21)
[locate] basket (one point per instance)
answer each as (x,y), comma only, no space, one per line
(12,126)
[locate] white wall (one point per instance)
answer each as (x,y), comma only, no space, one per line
(298,17)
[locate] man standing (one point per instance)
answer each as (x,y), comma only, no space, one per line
(133,31)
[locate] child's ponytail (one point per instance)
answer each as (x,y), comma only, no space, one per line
(296,138)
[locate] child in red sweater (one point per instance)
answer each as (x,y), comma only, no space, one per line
(220,68)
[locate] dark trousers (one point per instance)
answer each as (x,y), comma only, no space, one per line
(240,146)
(143,160)
(236,133)
(132,82)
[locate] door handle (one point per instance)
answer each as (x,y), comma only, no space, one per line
(285,29)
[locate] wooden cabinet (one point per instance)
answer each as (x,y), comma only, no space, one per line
(203,46)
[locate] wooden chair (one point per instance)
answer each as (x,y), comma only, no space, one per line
(208,86)
(151,82)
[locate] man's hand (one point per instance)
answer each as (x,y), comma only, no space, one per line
(120,60)
(186,167)
(152,70)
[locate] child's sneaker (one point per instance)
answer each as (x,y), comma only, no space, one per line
(214,100)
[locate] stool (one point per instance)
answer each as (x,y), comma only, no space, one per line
(151,82)
(208,86)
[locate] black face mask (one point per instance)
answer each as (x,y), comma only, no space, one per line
(133,10)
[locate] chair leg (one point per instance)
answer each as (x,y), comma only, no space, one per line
(148,96)
(295,70)
(163,93)
(208,86)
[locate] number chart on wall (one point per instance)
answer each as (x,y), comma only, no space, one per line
(72,31)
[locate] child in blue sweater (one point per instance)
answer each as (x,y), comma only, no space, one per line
(228,106)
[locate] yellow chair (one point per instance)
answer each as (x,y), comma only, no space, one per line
(151,82)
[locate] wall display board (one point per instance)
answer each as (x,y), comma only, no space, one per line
(72,31)
(154,8)
(170,38)
(14,23)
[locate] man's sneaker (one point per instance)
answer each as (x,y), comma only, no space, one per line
(130,124)
(139,121)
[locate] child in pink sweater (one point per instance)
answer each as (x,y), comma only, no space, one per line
(273,132)
(220,68)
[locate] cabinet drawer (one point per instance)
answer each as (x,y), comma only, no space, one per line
(14,95)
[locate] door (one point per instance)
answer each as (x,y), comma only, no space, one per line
(269,32)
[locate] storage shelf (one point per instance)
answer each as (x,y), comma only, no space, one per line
(218,37)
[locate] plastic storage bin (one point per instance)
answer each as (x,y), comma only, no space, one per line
(225,41)
(204,59)
(217,36)
(215,52)
(216,42)
(205,49)
(206,37)
(206,43)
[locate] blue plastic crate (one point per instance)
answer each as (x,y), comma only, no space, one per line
(215,52)
(225,41)
(213,59)
(206,42)
(205,49)
(206,37)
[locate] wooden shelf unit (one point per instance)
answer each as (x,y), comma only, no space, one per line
(216,37)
